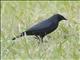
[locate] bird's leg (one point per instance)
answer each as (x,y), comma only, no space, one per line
(37,37)
(41,38)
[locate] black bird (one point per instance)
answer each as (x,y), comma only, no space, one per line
(43,28)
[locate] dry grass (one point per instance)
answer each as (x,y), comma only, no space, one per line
(16,17)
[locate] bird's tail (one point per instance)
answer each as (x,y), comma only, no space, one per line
(22,34)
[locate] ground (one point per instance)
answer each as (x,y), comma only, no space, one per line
(18,16)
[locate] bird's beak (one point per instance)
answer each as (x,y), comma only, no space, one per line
(65,19)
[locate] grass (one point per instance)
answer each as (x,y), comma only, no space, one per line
(62,44)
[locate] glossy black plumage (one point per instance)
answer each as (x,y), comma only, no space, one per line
(43,28)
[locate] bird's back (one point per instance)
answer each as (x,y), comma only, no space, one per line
(46,26)
(41,25)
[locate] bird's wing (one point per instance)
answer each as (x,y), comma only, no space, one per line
(40,26)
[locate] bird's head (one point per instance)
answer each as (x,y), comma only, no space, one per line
(60,17)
